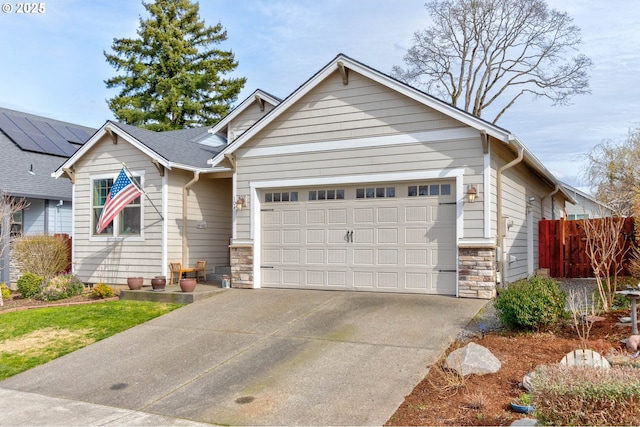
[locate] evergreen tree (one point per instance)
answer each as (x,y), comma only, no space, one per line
(171,75)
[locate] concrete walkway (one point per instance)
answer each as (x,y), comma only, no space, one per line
(248,357)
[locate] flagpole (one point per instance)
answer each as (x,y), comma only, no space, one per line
(130,175)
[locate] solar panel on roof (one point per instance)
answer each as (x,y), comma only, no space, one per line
(81,134)
(63,146)
(17,135)
(65,132)
(41,136)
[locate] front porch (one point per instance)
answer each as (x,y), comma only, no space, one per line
(172,293)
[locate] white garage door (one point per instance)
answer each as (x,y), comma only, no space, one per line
(393,237)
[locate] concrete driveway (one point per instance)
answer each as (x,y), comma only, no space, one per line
(261,357)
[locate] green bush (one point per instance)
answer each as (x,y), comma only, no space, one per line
(586,396)
(44,255)
(6,293)
(102,291)
(29,285)
(536,303)
(60,287)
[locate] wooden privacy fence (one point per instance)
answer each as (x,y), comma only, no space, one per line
(563,247)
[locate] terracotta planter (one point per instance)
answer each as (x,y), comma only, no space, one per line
(135,283)
(187,285)
(158,283)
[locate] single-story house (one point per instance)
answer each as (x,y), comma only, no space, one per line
(32,148)
(585,206)
(355,181)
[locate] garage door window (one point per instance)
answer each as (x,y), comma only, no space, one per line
(375,192)
(429,190)
(326,195)
(284,196)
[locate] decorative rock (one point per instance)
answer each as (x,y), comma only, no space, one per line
(585,358)
(525,422)
(526,380)
(633,343)
(472,359)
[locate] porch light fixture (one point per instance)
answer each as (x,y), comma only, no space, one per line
(240,203)
(471,194)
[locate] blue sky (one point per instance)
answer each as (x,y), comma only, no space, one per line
(52,64)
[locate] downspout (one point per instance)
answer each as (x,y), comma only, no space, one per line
(501,224)
(185,193)
(544,197)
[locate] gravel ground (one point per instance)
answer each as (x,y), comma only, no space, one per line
(487,318)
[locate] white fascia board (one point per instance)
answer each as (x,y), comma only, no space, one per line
(455,113)
(538,166)
(97,137)
(240,108)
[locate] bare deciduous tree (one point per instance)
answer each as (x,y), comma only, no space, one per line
(8,207)
(612,172)
(479,53)
(605,249)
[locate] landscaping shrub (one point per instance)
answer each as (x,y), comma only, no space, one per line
(44,255)
(6,293)
(29,285)
(536,303)
(60,287)
(578,395)
(102,291)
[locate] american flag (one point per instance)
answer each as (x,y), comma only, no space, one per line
(122,192)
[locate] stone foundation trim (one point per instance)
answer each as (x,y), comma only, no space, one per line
(241,256)
(477,272)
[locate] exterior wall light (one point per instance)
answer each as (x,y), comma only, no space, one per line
(240,203)
(471,194)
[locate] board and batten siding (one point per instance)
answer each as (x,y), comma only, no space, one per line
(361,129)
(112,260)
(209,210)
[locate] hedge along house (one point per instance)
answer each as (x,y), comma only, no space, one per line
(353,182)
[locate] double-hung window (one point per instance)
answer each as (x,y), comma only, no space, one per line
(127,222)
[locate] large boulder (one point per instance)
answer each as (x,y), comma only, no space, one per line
(472,359)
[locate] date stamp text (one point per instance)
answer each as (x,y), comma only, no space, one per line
(24,8)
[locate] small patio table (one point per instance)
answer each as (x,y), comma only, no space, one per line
(632,295)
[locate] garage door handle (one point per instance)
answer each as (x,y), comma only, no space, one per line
(349,236)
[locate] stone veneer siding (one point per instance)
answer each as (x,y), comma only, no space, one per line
(242,266)
(477,273)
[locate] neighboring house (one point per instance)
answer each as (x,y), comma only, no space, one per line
(355,181)
(585,206)
(32,148)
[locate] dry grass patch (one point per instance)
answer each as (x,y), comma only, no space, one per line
(43,338)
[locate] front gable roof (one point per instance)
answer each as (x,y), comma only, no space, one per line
(169,149)
(188,149)
(345,65)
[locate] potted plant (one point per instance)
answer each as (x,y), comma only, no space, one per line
(522,404)
(187,285)
(158,283)
(135,283)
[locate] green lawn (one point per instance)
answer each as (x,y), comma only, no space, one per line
(33,337)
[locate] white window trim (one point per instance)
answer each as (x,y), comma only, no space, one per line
(115,235)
